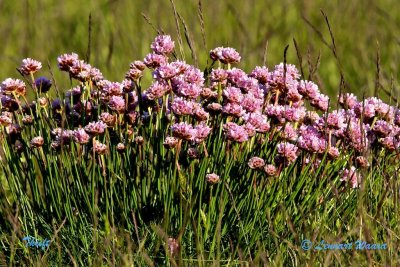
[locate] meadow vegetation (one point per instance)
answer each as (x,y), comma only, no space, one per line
(172,148)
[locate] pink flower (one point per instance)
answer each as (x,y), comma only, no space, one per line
(233,94)
(13,86)
(153,60)
(260,73)
(320,101)
(183,131)
(348,101)
(99,148)
(270,170)
(182,107)
(202,131)
(96,128)
(80,136)
(212,178)
(226,55)
(163,44)
(29,66)
(256,163)
(259,121)
(308,89)
(287,151)
(66,61)
(37,142)
(218,75)
(294,114)
(170,142)
(117,103)
(251,104)
(157,90)
(233,109)
(235,132)
(351,175)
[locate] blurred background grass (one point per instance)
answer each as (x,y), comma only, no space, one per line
(45,29)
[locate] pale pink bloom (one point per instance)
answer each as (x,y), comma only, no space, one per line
(235,132)
(80,70)
(288,132)
(218,75)
(336,120)
(348,100)
(233,109)
(250,129)
(270,170)
(200,114)
(288,151)
(233,94)
(333,152)
(259,121)
(382,128)
(202,131)
(183,131)
(163,44)
(194,76)
(294,114)
(13,86)
(226,55)
(208,94)
(352,176)
(308,89)
(154,60)
(320,101)
(170,142)
(95,74)
(66,61)
(189,90)
(99,148)
(80,136)
(29,66)
(235,76)
(212,178)
(214,107)
(260,73)
(96,128)
(251,104)
(157,90)
(166,72)
(117,103)
(256,163)
(37,141)
(180,106)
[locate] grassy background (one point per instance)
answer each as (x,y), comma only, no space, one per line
(45,29)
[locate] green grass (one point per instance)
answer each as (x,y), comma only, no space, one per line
(126,218)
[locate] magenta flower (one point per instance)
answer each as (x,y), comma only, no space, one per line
(235,132)
(180,106)
(212,178)
(258,120)
(251,104)
(96,128)
(80,136)
(226,55)
(154,60)
(352,176)
(233,95)
(66,61)
(320,102)
(13,86)
(117,103)
(348,101)
(163,45)
(288,151)
(29,66)
(183,131)
(308,89)
(218,75)
(233,109)
(256,163)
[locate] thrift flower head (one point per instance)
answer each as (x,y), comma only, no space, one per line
(235,132)
(29,66)
(66,61)
(352,176)
(288,151)
(80,136)
(163,44)
(270,170)
(37,141)
(183,131)
(212,178)
(117,103)
(226,55)
(256,163)
(154,60)
(13,86)
(96,128)
(170,142)
(99,148)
